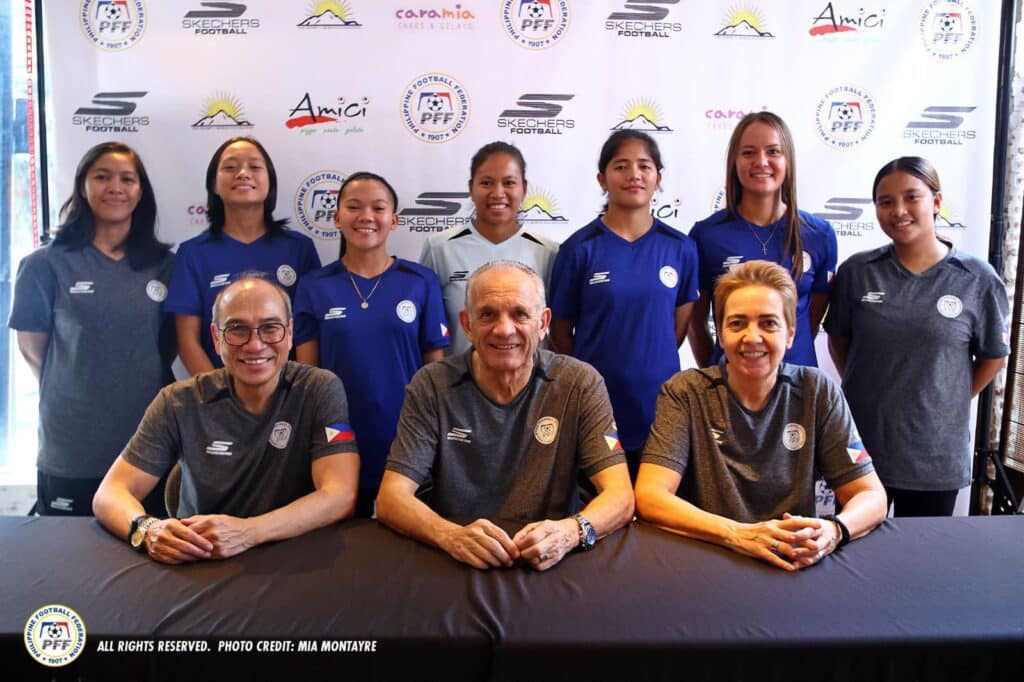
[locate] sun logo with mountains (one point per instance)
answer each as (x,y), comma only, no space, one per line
(743,22)
(538,206)
(947,221)
(642,114)
(329,14)
(223,111)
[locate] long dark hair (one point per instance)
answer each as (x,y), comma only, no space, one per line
(363,175)
(215,205)
(489,150)
(78,224)
(920,168)
(793,243)
(614,143)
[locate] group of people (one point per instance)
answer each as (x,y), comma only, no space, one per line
(477,430)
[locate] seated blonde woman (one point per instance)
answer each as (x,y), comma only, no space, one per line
(734,448)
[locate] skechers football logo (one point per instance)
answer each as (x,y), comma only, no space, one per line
(219,19)
(600,278)
(220,448)
(940,125)
(436,212)
(873,297)
(220,280)
(335,313)
(460,435)
(844,213)
(643,19)
(537,115)
(82,288)
(112,112)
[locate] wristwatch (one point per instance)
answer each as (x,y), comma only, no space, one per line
(137,532)
(587,535)
(844,532)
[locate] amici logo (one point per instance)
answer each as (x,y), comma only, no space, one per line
(948,28)
(434,107)
(535,24)
(846,215)
(436,212)
(845,116)
(539,207)
(643,19)
(942,126)
(219,19)
(830,22)
(316,202)
(342,115)
(329,14)
(441,18)
(665,209)
(744,22)
(112,112)
(113,24)
(222,110)
(642,114)
(536,114)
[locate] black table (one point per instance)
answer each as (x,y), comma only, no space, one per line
(917,599)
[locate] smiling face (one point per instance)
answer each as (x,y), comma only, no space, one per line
(760,162)
(255,366)
(366,214)
(754,334)
(497,190)
(112,189)
(631,177)
(242,177)
(906,208)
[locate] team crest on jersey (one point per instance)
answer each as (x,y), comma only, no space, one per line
(668,276)
(156,290)
(793,437)
(280,434)
(286,275)
(406,311)
(546,430)
(950,306)
(807,262)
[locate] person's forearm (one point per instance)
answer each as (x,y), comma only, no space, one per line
(410,516)
(838,348)
(985,370)
(315,510)
(193,356)
(674,514)
(114,507)
(863,512)
(610,510)
(701,344)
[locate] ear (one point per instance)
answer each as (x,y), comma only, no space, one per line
(938,202)
(464,321)
(545,322)
(337,219)
(215,333)
(601,181)
(792,335)
(394,220)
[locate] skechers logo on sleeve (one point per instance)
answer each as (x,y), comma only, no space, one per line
(873,297)
(459,276)
(601,278)
(460,435)
(221,448)
(220,280)
(731,262)
(82,288)
(334,313)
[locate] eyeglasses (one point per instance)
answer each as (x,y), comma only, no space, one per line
(239,334)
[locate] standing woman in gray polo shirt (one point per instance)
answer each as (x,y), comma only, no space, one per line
(916,329)
(87,309)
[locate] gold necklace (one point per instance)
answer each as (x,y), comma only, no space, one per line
(763,243)
(365,301)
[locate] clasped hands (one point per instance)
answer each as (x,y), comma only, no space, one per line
(541,544)
(205,536)
(791,543)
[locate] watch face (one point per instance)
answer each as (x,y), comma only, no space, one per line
(589,537)
(138,535)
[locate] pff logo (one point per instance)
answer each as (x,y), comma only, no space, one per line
(846,216)
(535,24)
(643,19)
(312,117)
(845,116)
(434,107)
(436,212)
(112,113)
(642,114)
(745,22)
(222,111)
(830,22)
(54,635)
(940,126)
(948,28)
(113,24)
(316,202)
(219,19)
(329,14)
(537,115)
(539,207)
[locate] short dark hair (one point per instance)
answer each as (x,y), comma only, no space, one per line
(215,205)
(489,150)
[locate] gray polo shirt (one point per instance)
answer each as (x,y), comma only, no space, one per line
(109,351)
(913,342)
(752,466)
(235,462)
(518,462)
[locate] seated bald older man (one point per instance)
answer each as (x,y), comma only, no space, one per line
(501,433)
(265,448)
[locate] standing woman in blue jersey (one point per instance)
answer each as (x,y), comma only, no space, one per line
(761,221)
(87,309)
(622,288)
(916,329)
(371,318)
(241,192)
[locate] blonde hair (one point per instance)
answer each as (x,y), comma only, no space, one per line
(757,273)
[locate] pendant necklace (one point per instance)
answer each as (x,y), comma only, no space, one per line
(365,301)
(762,242)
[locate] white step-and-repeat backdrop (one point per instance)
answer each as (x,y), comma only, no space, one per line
(410,89)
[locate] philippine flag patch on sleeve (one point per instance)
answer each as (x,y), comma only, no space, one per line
(856,451)
(612,438)
(339,433)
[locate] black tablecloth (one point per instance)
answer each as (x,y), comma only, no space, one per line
(916,599)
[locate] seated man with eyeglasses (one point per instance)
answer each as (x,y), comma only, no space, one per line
(265,445)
